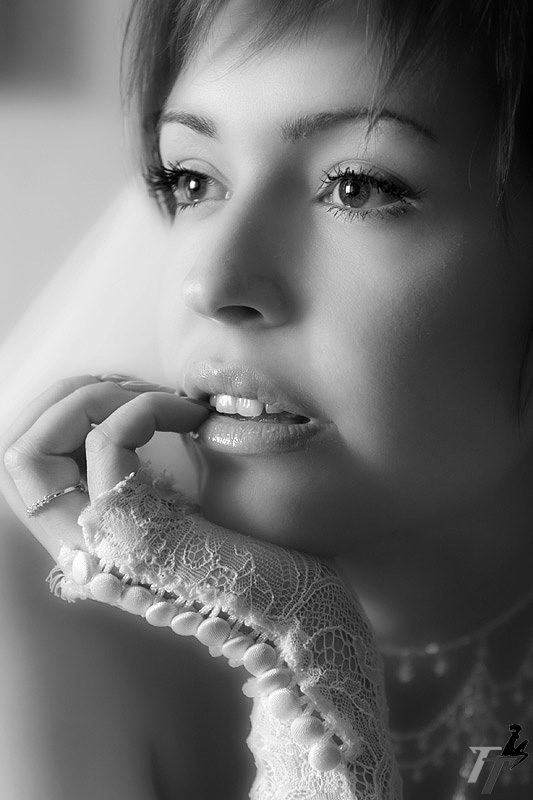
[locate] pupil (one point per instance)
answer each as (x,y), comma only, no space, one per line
(354,193)
(193,187)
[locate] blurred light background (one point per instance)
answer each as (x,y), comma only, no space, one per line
(72,225)
(80,243)
(64,167)
(62,155)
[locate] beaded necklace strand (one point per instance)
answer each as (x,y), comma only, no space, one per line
(471,716)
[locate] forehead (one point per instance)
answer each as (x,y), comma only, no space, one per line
(242,85)
(238,39)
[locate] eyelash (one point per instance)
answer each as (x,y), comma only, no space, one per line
(404,197)
(162,182)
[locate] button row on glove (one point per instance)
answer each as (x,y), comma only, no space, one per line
(272,679)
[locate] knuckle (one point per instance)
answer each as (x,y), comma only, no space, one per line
(12,458)
(97,395)
(21,456)
(73,383)
(97,440)
(145,401)
(142,408)
(86,390)
(67,385)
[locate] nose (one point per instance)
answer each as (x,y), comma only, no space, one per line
(237,275)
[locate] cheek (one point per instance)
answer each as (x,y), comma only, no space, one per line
(420,338)
(174,321)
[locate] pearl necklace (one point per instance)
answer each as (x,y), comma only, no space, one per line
(471,716)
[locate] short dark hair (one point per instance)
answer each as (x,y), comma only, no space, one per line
(161,35)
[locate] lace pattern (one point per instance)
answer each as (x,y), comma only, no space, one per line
(155,535)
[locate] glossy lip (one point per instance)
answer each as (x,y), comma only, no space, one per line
(244,437)
(203,379)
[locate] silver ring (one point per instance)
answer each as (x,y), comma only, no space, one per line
(35,507)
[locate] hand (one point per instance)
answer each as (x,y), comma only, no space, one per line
(319,724)
(83,424)
(57,658)
(319,637)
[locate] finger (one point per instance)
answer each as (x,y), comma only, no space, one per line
(116,377)
(61,389)
(136,384)
(63,427)
(39,462)
(111,446)
(31,413)
(27,418)
(22,423)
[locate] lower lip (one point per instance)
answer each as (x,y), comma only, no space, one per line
(229,435)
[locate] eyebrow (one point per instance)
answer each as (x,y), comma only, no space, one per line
(309,124)
(304,126)
(202,125)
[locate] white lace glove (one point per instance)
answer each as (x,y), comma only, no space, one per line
(319,720)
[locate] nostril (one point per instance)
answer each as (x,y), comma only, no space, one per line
(221,293)
(235,315)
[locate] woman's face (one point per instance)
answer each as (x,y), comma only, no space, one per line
(359,280)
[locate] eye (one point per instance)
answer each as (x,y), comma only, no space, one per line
(353,191)
(178,188)
(192,188)
(358,192)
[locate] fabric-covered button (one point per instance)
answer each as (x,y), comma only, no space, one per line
(106,588)
(284,704)
(186,624)
(161,614)
(324,756)
(236,647)
(83,568)
(213,631)
(273,679)
(307,730)
(136,600)
(249,689)
(259,658)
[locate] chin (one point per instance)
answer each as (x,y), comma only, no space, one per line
(318,500)
(273,509)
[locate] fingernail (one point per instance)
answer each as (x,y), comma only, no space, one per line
(115,377)
(145,386)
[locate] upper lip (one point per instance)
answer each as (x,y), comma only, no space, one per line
(203,379)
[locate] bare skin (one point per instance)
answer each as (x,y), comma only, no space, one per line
(407,330)
(144,705)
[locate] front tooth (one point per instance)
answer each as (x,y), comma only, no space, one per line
(273,408)
(226,404)
(249,408)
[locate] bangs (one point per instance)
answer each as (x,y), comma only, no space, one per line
(403,36)
(162,36)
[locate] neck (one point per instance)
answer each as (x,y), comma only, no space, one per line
(456,574)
